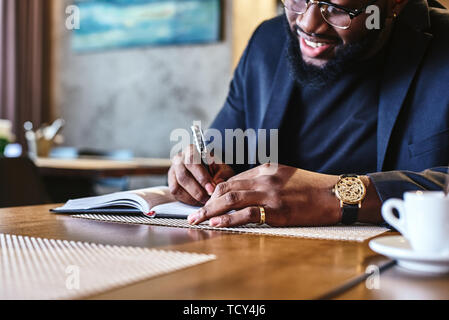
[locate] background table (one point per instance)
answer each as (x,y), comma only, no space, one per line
(96,167)
(67,179)
(247,266)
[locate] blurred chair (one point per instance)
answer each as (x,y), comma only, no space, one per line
(20,183)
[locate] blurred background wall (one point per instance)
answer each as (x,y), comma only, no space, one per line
(133,98)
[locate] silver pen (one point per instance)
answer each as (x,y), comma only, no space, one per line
(201,147)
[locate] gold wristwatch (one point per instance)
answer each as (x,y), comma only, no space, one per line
(351,191)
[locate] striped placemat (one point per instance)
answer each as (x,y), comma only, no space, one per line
(37,268)
(357,233)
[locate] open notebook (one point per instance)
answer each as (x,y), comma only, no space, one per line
(152,202)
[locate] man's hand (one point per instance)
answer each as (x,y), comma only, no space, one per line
(290,196)
(190,182)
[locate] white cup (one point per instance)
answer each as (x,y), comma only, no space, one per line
(423,220)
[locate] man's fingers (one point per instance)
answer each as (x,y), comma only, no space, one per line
(192,162)
(237,218)
(202,176)
(190,185)
(233,200)
(178,192)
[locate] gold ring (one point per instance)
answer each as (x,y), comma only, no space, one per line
(262,215)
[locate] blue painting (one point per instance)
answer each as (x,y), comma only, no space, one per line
(106,24)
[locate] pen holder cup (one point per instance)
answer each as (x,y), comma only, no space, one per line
(41,147)
(44,147)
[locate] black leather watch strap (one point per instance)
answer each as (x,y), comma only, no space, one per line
(350,214)
(350,175)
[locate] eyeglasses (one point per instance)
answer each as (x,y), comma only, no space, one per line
(334,14)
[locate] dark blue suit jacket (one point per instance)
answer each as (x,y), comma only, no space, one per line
(413,119)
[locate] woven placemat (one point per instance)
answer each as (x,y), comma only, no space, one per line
(36,268)
(357,233)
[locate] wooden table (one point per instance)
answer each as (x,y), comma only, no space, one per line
(247,266)
(400,284)
(100,168)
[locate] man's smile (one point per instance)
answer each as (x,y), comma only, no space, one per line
(312,49)
(316,47)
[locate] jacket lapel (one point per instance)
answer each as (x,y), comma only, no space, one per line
(280,94)
(278,101)
(408,48)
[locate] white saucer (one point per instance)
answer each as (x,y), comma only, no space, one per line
(398,248)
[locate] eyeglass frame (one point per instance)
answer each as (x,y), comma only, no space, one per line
(352,13)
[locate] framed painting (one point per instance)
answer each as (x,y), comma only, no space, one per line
(108,24)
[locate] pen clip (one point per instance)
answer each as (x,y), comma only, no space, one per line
(200,141)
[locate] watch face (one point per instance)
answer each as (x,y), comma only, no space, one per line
(350,190)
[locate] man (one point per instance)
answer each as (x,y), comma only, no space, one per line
(346,99)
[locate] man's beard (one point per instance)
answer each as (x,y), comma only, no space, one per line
(347,58)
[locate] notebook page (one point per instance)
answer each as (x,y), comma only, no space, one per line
(142,199)
(155,196)
(174,209)
(114,199)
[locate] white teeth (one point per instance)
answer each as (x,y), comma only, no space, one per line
(314,44)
